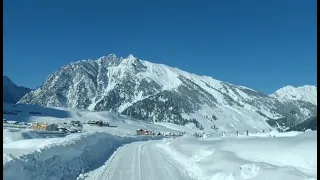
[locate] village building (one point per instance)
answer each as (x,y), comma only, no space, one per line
(44,127)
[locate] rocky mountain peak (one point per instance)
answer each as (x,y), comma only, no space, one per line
(305,93)
(159,93)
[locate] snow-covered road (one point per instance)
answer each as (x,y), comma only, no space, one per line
(213,159)
(140,160)
(99,156)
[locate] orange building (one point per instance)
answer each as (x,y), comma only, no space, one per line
(44,127)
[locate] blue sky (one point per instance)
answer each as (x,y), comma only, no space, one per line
(261,44)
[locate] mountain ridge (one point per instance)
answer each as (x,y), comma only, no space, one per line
(12,93)
(159,93)
(306,93)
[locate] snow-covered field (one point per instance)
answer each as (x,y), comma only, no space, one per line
(123,125)
(288,157)
(99,155)
(31,155)
(117,153)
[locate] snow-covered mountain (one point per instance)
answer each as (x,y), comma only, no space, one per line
(11,92)
(310,123)
(159,93)
(305,93)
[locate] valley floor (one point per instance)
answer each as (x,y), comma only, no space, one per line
(118,153)
(102,156)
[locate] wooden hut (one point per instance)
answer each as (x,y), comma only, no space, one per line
(140,132)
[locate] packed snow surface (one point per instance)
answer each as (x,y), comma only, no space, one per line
(139,160)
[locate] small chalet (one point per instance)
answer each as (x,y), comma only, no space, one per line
(140,132)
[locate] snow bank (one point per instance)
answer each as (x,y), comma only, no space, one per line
(251,158)
(275,133)
(66,157)
(12,135)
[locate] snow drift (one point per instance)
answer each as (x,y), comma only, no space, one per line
(65,158)
(247,158)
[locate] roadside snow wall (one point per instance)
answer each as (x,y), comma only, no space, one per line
(66,158)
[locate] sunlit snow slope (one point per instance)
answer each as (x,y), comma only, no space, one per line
(304,93)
